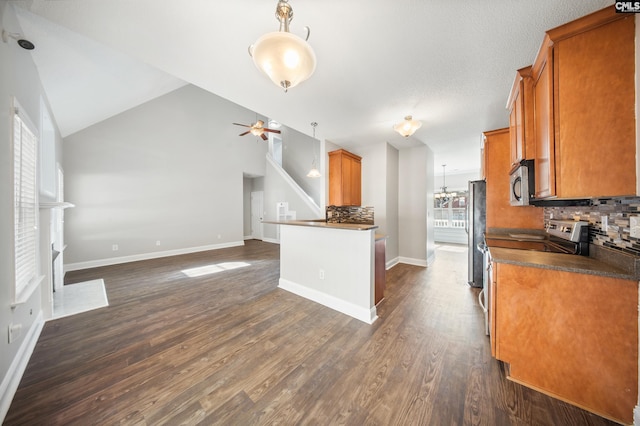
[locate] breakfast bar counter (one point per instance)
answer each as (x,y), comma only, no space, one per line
(330,263)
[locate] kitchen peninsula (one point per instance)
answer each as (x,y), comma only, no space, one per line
(331,263)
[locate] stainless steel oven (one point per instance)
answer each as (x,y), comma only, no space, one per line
(522,183)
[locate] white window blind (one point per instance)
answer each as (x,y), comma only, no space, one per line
(25,205)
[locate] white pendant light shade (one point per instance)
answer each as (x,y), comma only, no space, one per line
(287,59)
(407,127)
(314,173)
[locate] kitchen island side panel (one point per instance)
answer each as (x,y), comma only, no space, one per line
(334,267)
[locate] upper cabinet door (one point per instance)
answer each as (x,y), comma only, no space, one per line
(345,181)
(544,163)
(595,110)
(520,106)
(584,108)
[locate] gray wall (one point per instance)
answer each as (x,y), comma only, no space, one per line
(298,152)
(277,189)
(19,78)
(170,170)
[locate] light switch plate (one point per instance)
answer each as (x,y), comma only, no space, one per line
(634,225)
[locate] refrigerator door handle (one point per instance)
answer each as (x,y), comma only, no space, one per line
(466,215)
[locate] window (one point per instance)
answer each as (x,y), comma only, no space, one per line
(25,205)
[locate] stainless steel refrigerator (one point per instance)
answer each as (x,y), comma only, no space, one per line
(476,222)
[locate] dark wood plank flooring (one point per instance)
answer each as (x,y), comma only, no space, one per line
(232,348)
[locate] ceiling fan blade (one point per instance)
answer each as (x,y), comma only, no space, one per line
(271,130)
(243,125)
(264,137)
(242,134)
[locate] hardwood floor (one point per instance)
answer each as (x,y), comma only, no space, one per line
(232,348)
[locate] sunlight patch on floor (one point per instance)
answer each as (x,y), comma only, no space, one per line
(213,269)
(77,298)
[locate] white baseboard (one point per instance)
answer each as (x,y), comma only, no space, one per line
(11,380)
(146,256)
(391,263)
(411,261)
(271,240)
(431,259)
(636,415)
(248,237)
(365,315)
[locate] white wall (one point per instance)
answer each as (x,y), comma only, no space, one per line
(170,170)
(454,181)
(393,190)
(415,205)
(380,190)
(19,78)
(250,184)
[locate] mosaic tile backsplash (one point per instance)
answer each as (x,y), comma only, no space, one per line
(614,212)
(349,214)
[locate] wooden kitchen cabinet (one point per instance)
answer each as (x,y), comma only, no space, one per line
(544,162)
(500,213)
(345,178)
(584,108)
(572,336)
(520,106)
(380,267)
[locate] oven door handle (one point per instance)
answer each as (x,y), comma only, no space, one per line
(480,297)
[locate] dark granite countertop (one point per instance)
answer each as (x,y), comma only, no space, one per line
(601,260)
(559,262)
(321,223)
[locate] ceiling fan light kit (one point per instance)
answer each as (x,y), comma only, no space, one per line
(407,127)
(285,58)
(257,129)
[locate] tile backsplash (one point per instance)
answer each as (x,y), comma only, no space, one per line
(349,214)
(609,221)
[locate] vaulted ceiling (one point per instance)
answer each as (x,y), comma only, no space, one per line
(449,64)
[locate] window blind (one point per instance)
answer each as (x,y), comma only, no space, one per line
(25,204)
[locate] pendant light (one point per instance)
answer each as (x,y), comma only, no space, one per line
(285,58)
(407,127)
(314,172)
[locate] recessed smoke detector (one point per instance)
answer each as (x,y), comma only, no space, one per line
(24,43)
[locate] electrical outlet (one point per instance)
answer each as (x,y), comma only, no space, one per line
(219,236)
(605,223)
(634,225)
(158,242)
(321,274)
(114,247)
(14,331)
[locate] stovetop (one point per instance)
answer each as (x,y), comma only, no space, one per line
(560,236)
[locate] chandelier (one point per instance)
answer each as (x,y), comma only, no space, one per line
(443,194)
(285,58)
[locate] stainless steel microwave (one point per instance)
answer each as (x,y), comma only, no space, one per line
(522,183)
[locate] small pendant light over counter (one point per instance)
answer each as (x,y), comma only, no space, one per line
(285,58)
(314,172)
(407,127)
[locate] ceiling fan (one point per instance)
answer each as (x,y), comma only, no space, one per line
(257,129)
